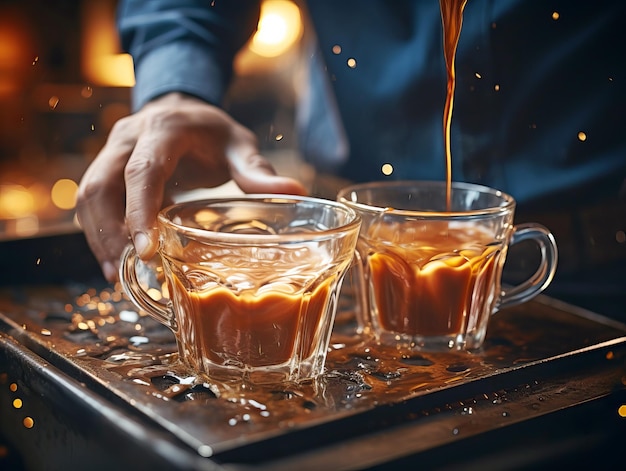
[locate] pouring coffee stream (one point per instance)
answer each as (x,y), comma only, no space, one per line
(432,273)
(452,20)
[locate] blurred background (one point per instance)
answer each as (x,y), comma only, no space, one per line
(64,81)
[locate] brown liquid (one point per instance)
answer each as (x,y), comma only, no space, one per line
(441,283)
(438,282)
(249,330)
(452,20)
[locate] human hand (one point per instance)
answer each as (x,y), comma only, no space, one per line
(175,142)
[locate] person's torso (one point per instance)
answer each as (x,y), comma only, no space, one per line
(539,100)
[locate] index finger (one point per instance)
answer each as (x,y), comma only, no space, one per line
(152,161)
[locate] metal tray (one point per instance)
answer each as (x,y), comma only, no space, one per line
(67,336)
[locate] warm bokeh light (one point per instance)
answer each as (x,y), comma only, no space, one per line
(387,169)
(15,202)
(114,70)
(15,50)
(63,193)
(155,294)
(280,26)
(102,62)
(11,45)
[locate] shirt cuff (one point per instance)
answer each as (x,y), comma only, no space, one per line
(179,66)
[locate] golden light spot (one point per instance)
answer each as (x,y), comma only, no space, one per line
(279,137)
(582,136)
(620,237)
(101,62)
(155,294)
(16,202)
(478,76)
(63,193)
(28,422)
(622,410)
(83,326)
(45,332)
(352,63)
(336,49)
(496,87)
(280,26)
(53,102)
(104,308)
(17,403)
(387,169)
(555,15)
(609,355)
(13,387)
(86,92)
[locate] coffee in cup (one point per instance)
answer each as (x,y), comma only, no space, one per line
(432,267)
(253,283)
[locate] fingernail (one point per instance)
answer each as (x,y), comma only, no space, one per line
(142,243)
(109,271)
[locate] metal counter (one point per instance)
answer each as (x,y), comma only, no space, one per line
(88,382)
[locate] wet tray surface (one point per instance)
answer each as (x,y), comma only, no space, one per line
(91,332)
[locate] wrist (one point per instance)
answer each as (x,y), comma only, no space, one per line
(174,99)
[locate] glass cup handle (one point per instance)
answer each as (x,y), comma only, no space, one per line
(359,288)
(544,274)
(132,286)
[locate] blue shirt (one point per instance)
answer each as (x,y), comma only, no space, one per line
(529,82)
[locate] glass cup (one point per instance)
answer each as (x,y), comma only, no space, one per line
(431,273)
(252,283)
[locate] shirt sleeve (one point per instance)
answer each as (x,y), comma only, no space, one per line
(184,46)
